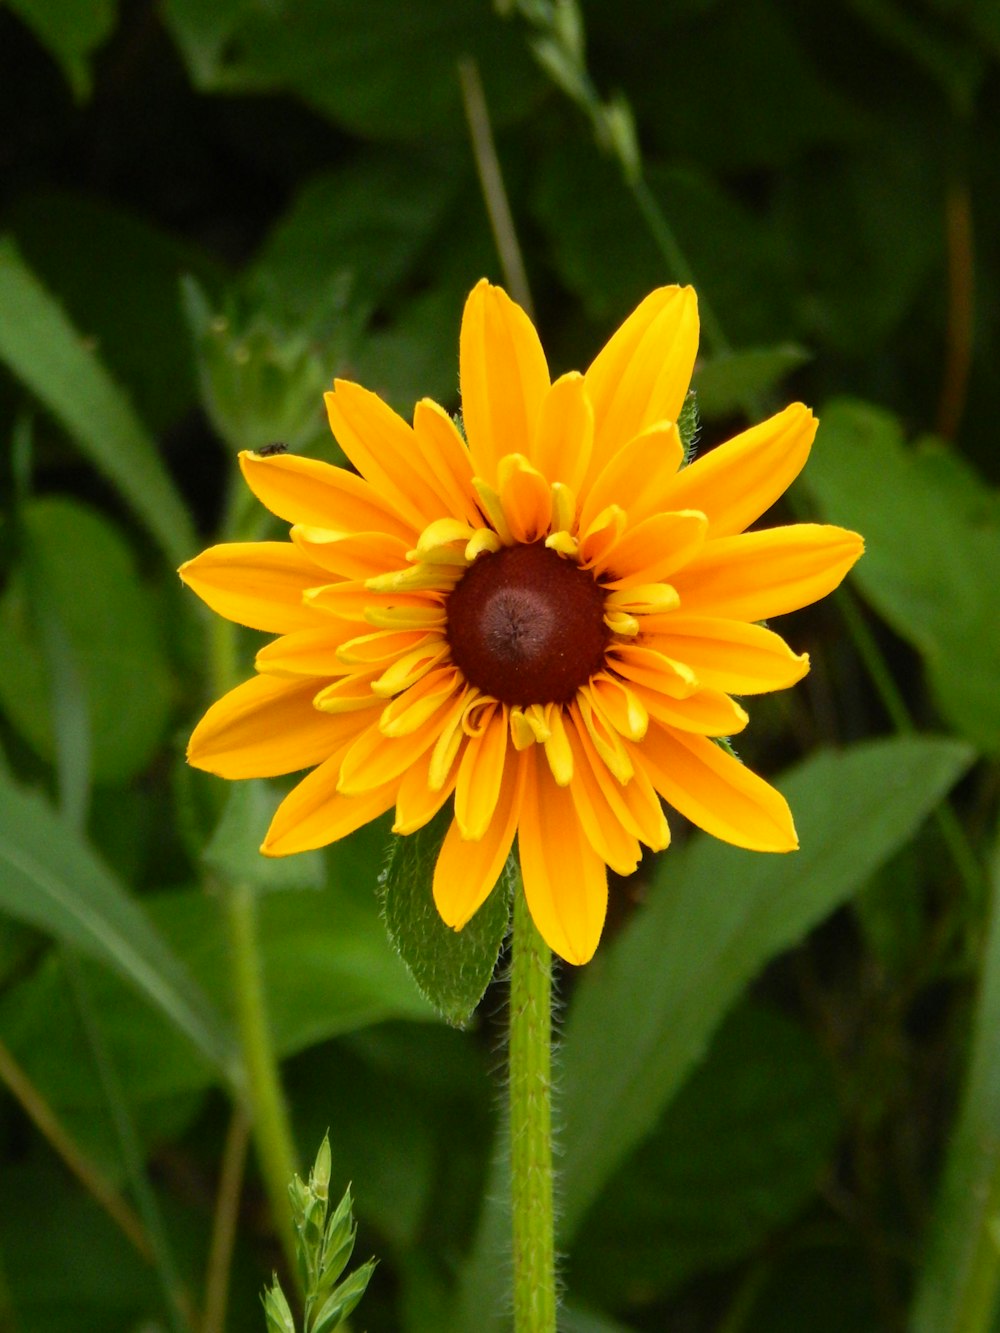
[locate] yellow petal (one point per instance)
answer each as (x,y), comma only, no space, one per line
(650,551)
(643,373)
(557,747)
(602,534)
(409,668)
(480,776)
(620,705)
(526,498)
(349,694)
(466,872)
(565,434)
(354,555)
(306,652)
(761,574)
(565,880)
(637,476)
(727,655)
(716,792)
(318,495)
(265,727)
(258,584)
(314,814)
(738,481)
(382,447)
(504,377)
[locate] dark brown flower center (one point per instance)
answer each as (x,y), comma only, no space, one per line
(527,625)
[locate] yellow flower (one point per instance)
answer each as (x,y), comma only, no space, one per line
(545,621)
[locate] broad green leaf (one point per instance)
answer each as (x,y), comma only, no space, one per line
(451,967)
(86,574)
(825,1287)
(43,350)
(646,1009)
(932,529)
(50,879)
(351,235)
(379,71)
(735,1156)
(71,31)
(726,383)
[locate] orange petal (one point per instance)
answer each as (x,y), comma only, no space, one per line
(466,872)
(352,598)
(307,652)
(265,727)
(318,495)
(415,706)
(382,447)
(354,555)
(613,843)
(707,712)
(643,373)
(727,655)
(416,801)
(634,804)
(565,434)
(258,584)
(526,498)
(715,791)
(738,481)
(375,759)
(314,813)
(637,476)
(761,574)
(447,459)
(504,378)
(480,776)
(565,880)
(650,551)
(645,666)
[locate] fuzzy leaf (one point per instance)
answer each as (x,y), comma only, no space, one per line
(452,968)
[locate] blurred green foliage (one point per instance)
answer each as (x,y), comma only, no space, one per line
(207,212)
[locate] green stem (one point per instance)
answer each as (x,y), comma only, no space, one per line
(531,1125)
(272,1132)
(958,1290)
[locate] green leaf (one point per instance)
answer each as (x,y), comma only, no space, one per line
(71,31)
(452,968)
(44,351)
(725,383)
(50,879)
(380,71)
(932,529)
(112,631)
(736,1156)
(645,1011)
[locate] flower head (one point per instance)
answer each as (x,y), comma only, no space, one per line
(544,622)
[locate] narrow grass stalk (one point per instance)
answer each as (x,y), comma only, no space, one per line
(961,1273)
(220,1254)
(268,1113)
(531,1125)
(491,183)
(48,1124)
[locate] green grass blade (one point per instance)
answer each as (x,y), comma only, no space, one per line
(48,355)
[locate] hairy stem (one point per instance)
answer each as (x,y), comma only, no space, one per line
(531,1125)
